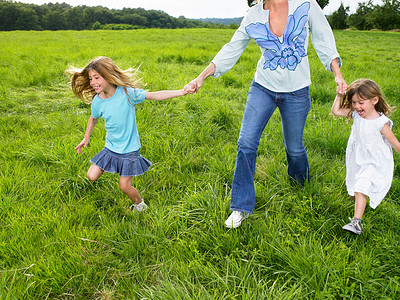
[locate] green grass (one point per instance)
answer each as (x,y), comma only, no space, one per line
(62,237)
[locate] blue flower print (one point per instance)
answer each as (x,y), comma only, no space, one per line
(289,52)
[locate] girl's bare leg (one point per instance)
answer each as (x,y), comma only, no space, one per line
(125,184)
(355,225)
(94,172)
(360,204)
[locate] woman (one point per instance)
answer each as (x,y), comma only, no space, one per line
(281,28)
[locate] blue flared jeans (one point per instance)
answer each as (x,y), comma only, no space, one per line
(261,103)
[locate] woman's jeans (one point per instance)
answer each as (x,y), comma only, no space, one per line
(261,103)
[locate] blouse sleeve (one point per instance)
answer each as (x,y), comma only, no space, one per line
(230,53)
(322,36)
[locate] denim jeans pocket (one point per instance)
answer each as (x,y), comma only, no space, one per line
(303,92)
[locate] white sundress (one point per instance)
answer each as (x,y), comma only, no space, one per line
(369,159)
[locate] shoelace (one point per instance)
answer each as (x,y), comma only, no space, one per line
(355,223)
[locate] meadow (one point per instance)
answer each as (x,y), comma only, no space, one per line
(63,237)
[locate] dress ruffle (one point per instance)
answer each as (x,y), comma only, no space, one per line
(126,165)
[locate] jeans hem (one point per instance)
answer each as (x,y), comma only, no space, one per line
(241,210)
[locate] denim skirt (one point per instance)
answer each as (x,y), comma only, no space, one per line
(126,165)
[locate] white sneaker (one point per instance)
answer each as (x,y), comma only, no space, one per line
(354,226)
(138,207)
(236,218)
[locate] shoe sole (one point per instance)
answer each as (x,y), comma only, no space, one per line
(351,230)
(133,209)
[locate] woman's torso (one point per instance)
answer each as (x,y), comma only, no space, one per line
(283,65)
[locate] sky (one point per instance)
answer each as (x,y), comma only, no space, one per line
(192,9)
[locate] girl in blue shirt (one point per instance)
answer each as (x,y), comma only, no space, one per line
(114,94)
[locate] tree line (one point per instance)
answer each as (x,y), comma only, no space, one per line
(368,16)
(62,16)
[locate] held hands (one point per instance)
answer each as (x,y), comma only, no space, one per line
(193,86)
(341,86)
(84,143)
(188,89)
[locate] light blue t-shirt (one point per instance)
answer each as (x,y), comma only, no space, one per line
(120,121)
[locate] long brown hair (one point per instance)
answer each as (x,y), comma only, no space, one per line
(365,89)
(80,82)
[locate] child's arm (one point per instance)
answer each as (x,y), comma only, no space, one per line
(337,110)
(89,128)
(164,95)
(390,137)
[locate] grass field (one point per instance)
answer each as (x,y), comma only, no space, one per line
(62,237)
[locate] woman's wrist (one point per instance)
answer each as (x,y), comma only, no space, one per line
(209,71)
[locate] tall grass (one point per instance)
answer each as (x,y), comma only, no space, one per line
(63,237)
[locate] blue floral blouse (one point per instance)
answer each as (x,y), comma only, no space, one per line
(283,66)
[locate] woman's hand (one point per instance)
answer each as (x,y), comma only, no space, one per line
(340,83)
(341,86)
(195,84)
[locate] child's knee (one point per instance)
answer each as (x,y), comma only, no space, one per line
(124,187)
(91,176)
(94,173)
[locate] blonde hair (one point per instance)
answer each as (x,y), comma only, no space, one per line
(107,69)
(365,89)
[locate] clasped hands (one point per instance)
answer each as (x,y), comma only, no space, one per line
(193,86)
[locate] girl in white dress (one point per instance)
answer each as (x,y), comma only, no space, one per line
(369,157)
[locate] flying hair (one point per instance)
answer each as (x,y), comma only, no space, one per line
(80,83)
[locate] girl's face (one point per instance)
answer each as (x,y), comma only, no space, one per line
(365,107)
(103,88)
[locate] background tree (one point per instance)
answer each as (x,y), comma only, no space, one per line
(41,11)
(323,3)
(134,19)
(358,20)
(369,16)
(54,20)
(8,15)
(96,26)
(386,17)
(27,19)
(103,15)
(337,20)
(75,18)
